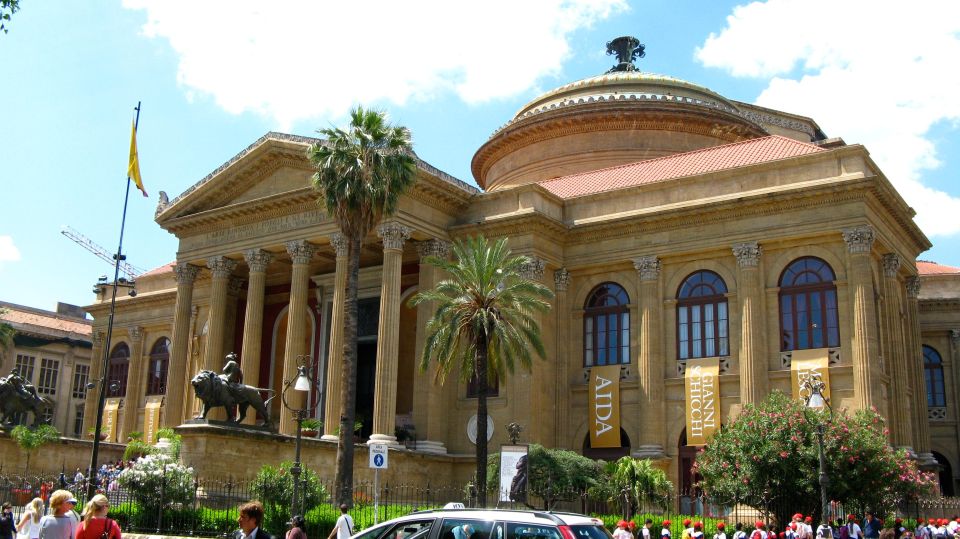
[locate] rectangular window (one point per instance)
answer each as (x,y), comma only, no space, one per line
(49,370)
(588,342)
(80,377)
(24,366)
(722,320)
(625,338)
(78,421)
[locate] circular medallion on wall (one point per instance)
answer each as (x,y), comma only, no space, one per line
(472,428)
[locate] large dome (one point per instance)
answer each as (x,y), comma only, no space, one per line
(607,120)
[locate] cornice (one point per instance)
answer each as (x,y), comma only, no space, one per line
(141,301)
(441,195)
(516,224)
(242,213)
(940,305)
(612,116)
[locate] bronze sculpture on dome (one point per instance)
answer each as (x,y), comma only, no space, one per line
(627,49)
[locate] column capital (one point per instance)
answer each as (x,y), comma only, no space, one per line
(859,239)
(301,251)
(955,337)
(135,332)
(561,278)
(533,268)
(393,234)
(257,259)
(648,267)
(913,287)
(339,243)
(437,248)
(891,264)
(747,253)
(221,266)
(185,273)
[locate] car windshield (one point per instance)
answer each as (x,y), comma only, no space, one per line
(589,531)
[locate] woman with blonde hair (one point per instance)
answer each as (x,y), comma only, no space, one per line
(95,522)
(62,524)
(30,523)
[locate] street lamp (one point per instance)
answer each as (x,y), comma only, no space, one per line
(302,384)
(812,387)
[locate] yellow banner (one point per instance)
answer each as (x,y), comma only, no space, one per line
(603,401)
(702,393)
(151,419)
(803,363)
(109,426)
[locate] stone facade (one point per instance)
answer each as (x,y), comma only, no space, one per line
(722,187)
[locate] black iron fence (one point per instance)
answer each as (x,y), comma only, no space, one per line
(208,507)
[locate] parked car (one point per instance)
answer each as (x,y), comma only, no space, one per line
(488,524)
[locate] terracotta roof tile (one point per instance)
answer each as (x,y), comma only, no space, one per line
(925,267)
(35,321)
(703,161)
(166,268)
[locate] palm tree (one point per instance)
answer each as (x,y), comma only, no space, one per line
(362,169)
(484,322)
(641,481)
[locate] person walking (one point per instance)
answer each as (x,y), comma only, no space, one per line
(29,525)
(871,526)
(759,531)
(853,529)
(721,534)
(297,528)
(738,532)
(8,525)
(645,532)
(665,530)
(343,529)
(250,520)
(62,522)
(620,532)
(95,523)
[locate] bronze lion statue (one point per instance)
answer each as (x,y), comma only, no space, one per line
(214,390)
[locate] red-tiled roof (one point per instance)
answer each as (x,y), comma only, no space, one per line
(932,268)
(728,156)
(166,268)
(35,320)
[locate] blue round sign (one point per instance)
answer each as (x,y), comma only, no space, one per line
(378,460)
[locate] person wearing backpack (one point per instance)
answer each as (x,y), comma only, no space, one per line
(738,532)
(760,531)
(95,524)
(853,529)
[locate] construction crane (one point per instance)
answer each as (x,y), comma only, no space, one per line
(130,270)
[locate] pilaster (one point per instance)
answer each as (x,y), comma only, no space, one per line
(393,235)
(96,369)
(537,407)
(752,360)
(895,354)
(300,252)
(135,389)
(863,342)
(649,365)
(561,283)
(185,274)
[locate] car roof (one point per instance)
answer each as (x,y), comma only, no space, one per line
(531,517)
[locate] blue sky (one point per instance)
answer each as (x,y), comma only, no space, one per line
(214,76)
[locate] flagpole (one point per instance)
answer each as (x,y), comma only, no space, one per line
(105,362)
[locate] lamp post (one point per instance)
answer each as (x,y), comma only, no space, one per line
(303,384)
(812,387)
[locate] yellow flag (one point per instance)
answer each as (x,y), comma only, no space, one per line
(133,169)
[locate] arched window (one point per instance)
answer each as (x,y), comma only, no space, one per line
(606,326)
(933,373)
(117,371)
(808,306)
(157,373)
(702,321)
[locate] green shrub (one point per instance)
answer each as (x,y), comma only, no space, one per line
(157,481)
(274,488)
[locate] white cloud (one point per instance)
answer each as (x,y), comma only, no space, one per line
(8,251)
(292,60)
(876,73)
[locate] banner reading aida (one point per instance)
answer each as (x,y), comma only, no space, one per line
(151,419)
(109,426)
(603,402)
(702,394)
(806,362)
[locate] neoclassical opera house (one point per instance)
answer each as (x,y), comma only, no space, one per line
(672,223)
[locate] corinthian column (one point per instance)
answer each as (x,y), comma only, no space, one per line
(300,252)
(178,376)
(331,412)
(221,269)
(257,260)
(753,368)
(388,333)
(863,342)
(96,368)
(135,390)
(561,282)
(429,411)
(893,338)
(653,429)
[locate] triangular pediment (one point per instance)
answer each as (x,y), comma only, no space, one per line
(267,169)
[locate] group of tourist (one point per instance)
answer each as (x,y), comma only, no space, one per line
(60,521)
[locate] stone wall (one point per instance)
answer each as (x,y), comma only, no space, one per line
(68,454)
(220,452)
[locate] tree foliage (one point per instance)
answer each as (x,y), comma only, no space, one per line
(273,486)
(157,481)
(555,475)
(641,481)
(7,332)
(484,322)
(362,169)
(768,457)
(7,9)
(30,439)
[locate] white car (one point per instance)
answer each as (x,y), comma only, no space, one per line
(488,524)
